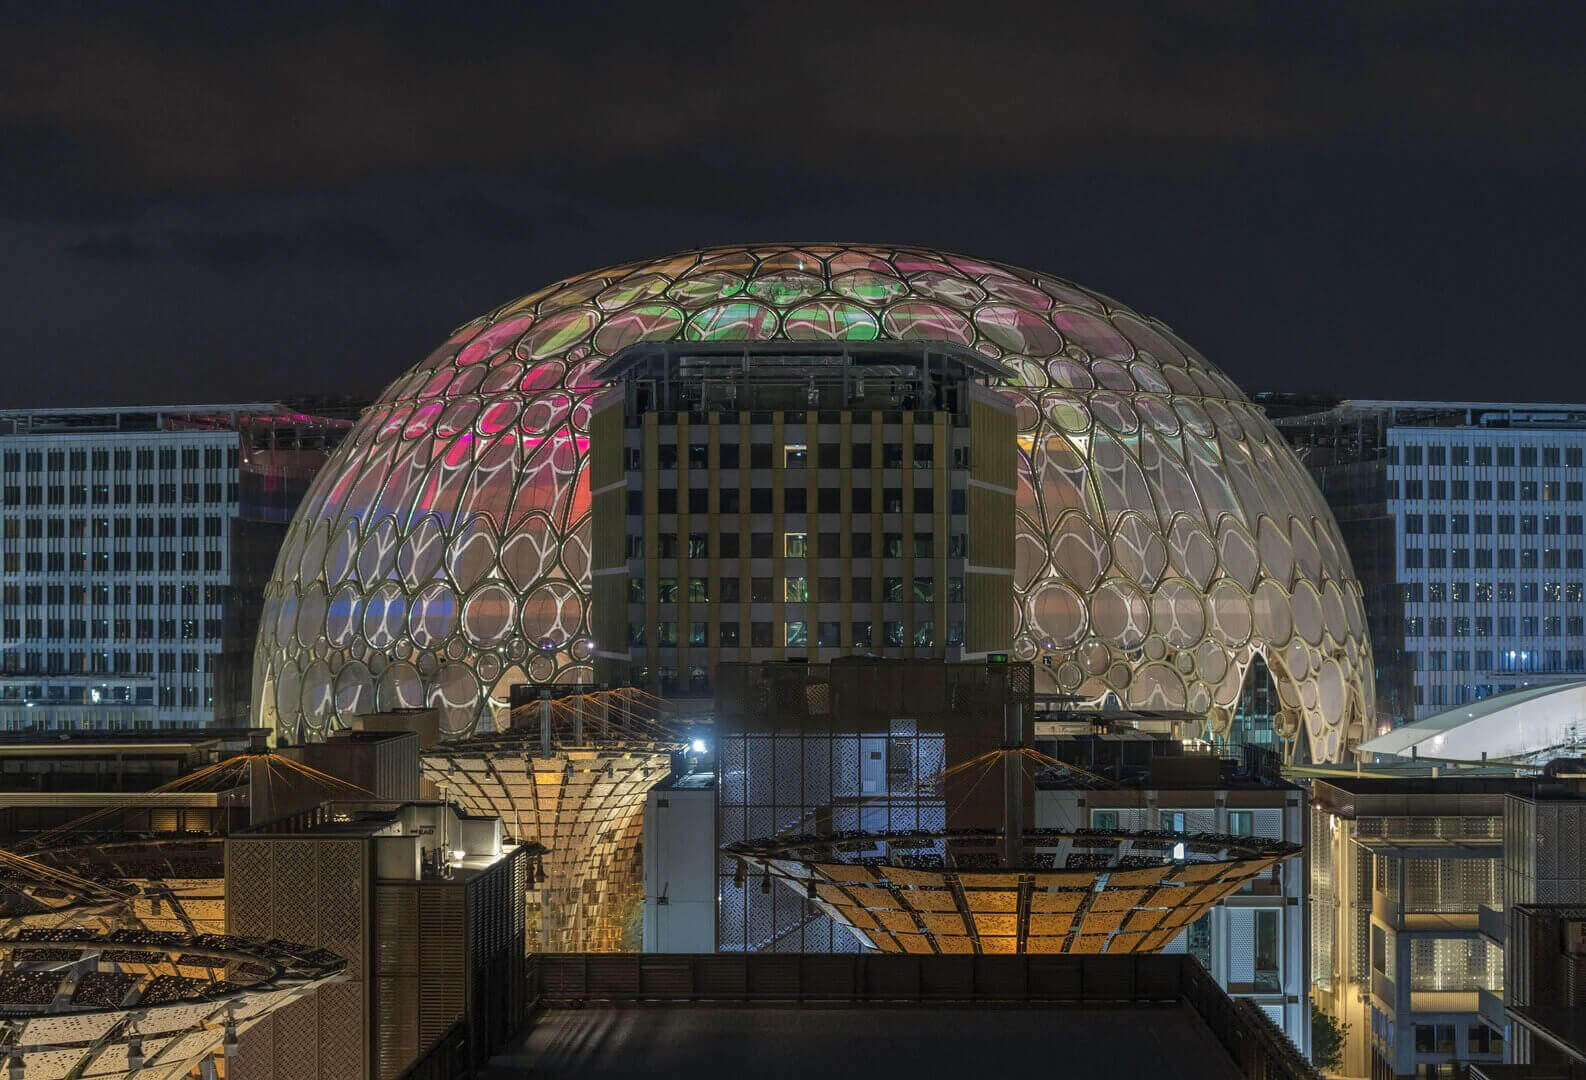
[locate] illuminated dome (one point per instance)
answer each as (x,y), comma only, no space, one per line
(1167,536)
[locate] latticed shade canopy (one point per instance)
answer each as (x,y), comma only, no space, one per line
(1088,892)
(176,885)
(134,1003)
(1166,535)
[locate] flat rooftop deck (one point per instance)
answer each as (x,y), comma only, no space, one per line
(917,1042)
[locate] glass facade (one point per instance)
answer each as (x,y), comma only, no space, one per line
(1166,535)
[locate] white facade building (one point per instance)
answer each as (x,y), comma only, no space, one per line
(116,562)
(1254,942)
(1491,522)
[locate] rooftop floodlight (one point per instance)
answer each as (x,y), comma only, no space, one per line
(698,746)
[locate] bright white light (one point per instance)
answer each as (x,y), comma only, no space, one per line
(95,695)
(1178,850)
(698,746)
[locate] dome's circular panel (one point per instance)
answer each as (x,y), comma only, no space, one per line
(451,528)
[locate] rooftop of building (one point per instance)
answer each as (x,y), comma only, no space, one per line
(154,741)
(920,1042)
(1302,409)
(1457,793)
(1518,725)
(203,416)
(916,1016)
(443,835)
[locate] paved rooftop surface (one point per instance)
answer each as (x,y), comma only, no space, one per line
(919,1043)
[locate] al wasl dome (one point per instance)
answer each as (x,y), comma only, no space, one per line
(1169,544)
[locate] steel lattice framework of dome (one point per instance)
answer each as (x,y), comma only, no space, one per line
(1166,534)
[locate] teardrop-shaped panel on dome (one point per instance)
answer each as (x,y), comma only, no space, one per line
(918,320)
(869,287)
(831,320)
(736,321)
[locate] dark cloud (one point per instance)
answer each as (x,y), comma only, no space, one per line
(878,92)
(115,247)
(1368,198)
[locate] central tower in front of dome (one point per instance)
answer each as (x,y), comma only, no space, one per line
(768,501)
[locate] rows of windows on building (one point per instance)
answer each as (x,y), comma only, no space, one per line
(1493,562)
(114,573)
(775,626)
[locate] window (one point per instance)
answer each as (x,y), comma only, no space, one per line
(830,545)
(729,590)
(830,590)
(1266,971)
(1528,456)
(892,630)
(697,632)
(635,590)
(729,455)
(795,545)
(892,501)
(698,546)
(925,634)
(892,588)
(859,456)
(1240,822)
(861,500)
(859,635)
(1104,819)
(829,500)
(798,633)
(924,589)
(729,634)
(727,545)
(760,591)
(760,635)
(698,591)
(830,455)
(795,500)
(666,590)
(827,635)
(796,590)
(892,545)
(795,455)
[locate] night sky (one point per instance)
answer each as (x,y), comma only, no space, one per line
(199,203)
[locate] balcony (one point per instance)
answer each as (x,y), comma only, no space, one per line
(1490,1006)
(1445,1001)
(1490,921)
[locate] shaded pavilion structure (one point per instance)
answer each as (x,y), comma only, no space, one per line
(571,773)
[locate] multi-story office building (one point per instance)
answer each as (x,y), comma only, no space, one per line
(1254,943)
(1484,581)
(783,501)
(120,532)
(1410,877)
